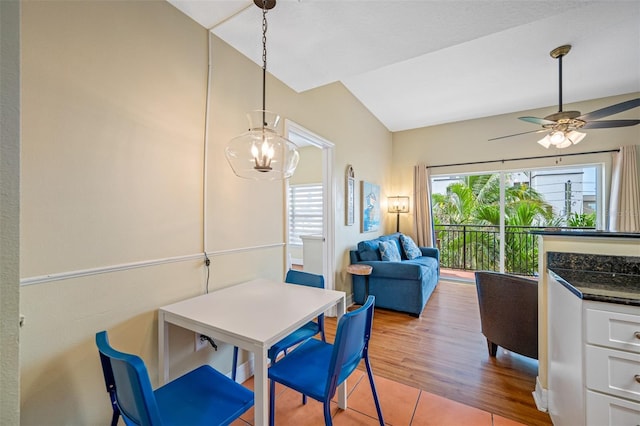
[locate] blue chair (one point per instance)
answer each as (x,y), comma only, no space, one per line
(203,396)
(110,382)
(316,368)
(305,332)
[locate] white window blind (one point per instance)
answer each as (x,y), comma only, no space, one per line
(305,211)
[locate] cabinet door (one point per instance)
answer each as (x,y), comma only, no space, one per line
(614,372)
(603,410)
(613,329)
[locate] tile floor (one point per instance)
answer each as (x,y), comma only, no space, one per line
(401,405)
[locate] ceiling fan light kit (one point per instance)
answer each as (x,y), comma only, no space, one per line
(562,126)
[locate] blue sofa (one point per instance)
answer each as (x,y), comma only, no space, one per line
(402,286)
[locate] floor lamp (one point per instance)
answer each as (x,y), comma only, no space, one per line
(398,204)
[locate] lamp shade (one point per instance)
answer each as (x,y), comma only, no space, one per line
(261,153)
(560,139)
(398,204)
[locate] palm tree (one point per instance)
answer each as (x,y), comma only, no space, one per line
(474,204)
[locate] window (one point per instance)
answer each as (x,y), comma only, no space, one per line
(484,221)
(305,211)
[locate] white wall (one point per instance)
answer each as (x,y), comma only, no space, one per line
(117,207)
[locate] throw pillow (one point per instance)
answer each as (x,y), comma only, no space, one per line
(411,249)
(368,250)
(389,251)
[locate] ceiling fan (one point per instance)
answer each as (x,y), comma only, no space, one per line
(562,127)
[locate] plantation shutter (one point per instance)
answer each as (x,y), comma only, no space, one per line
(305,211)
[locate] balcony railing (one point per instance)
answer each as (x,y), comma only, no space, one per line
(477,247)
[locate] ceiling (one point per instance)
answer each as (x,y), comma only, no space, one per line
(420,63)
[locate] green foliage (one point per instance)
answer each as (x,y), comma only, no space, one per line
(577,220)
(475,202)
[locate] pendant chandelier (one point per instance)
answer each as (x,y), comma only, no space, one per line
(261,153)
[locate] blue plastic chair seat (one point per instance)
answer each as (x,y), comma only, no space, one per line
(316,368)
(202,396)
(311,361)
(205,399)
(303,333)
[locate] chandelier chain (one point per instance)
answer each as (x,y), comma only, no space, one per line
(264,34)
(264,60)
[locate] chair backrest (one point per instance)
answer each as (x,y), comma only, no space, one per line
(350,345)
(110,384)
(134,393)
(310,280)
(509,311)
(304,278)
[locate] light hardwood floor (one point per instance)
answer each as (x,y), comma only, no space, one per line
(443,352)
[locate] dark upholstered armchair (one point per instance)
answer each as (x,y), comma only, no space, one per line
(508,312)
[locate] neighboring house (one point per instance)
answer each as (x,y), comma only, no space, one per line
(116,207)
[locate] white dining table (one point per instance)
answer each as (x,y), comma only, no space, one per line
(252,316)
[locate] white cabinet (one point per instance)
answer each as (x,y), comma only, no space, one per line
(312,252)
(566,382)
(594,360)
(606,410)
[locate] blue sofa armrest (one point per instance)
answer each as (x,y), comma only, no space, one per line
(431,252)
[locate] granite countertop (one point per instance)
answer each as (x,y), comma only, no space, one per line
(610,287)
(585,233)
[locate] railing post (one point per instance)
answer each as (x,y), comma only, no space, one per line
(464,247)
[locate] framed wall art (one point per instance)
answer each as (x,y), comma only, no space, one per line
(369,206)
(350,192)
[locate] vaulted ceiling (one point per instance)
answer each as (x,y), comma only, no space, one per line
(421,63)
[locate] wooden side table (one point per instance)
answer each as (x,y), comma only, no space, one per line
(364,270)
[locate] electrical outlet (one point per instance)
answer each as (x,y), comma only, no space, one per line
(200,343)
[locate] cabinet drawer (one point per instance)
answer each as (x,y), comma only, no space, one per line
(605,410)
(613,329)
(613,372)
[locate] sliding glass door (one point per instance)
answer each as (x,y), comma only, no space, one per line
(484,221)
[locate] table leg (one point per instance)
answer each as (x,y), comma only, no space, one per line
(260,387)
(366,289)
(342,389)
(163,350)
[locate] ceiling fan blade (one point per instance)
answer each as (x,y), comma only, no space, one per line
(610,110)
(605,124)
(536,120)
(518,134)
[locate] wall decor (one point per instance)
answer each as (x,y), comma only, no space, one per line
(369,206)
(350,192)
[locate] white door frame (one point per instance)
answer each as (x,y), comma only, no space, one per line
(328,195)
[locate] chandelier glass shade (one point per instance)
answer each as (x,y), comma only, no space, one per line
(261,153)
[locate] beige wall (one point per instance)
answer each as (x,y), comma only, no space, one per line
(117,207)
(467,141)
(9,211)
(309,168)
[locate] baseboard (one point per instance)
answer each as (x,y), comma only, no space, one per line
(540,396)
(245,370)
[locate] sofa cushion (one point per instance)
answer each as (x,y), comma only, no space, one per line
(411,249)
(429,262)
(389,251)
(368,250)
(396,240)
